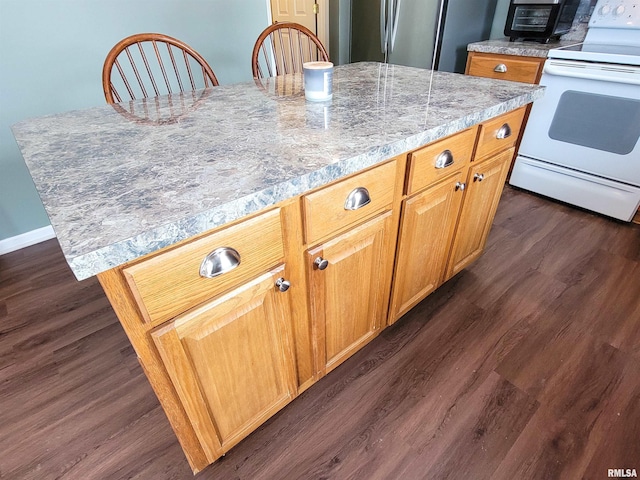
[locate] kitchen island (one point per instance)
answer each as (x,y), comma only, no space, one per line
(250,241)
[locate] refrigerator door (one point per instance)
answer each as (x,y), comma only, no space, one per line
(416,33)
(466,22)
(409,32)
(365,31)
(415,28)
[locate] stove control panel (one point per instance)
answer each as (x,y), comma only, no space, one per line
(616,14)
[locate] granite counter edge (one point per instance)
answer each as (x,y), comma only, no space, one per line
(520,48)
(92,263)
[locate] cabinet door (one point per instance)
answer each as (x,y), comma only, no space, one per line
(349,296)
(231,362)
(484,187)
(428,224)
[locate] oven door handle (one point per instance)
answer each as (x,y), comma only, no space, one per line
(628,75)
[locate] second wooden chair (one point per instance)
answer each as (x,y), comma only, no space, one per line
(283,47)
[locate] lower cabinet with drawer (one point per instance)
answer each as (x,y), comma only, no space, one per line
(351,230)
(231,326)
(213,323)
(513,68)
(435,187)
(484,185)
(448,214)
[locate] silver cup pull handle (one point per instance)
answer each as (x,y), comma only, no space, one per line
(503,132)
(358,198)
(221,260)
(445,159)
(500,68)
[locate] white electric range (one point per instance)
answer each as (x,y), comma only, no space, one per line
(581,144)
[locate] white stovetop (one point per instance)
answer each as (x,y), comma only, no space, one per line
(613,35)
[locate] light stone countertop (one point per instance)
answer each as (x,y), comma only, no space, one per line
(526,49)
(118,186)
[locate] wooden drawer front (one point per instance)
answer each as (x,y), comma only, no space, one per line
(489,140)
(504,67)
(170,283)
(325,211)
(423,169)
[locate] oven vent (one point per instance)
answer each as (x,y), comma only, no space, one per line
(617,69)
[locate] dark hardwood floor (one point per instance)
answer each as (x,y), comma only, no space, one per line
(524,366)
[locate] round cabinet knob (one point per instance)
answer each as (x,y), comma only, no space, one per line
(320,263)
(478,177)
(605,10)
(282,284)
(460,186)
(619,10)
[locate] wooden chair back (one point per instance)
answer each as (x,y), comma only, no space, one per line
(283,47)
(151,64)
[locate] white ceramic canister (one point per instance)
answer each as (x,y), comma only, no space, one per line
(318,81)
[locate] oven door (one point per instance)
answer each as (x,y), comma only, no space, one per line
(588,120)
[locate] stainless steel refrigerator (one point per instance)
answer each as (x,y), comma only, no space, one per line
(411,32)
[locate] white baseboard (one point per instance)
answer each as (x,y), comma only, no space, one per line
(27,239)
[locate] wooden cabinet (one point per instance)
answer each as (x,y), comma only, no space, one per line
(224,352)
(214,332)
(495,150)
(505,67)
(326,211)
(440,159)
(231,362)
(349,293)
(445,225)
(499,133)
(427,227)
(351,229)
(170,283)
(435,182)
(485,182)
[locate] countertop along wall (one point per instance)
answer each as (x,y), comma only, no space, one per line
(51,56)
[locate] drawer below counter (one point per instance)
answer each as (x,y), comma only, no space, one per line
(505,67)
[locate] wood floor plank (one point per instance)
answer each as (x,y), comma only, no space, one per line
(580,390)
(608,305)
(490,422)
(566,445)
(620,446)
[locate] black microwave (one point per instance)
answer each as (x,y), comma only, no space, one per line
(540,20)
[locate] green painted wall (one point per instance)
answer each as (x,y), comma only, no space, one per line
(51,55)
